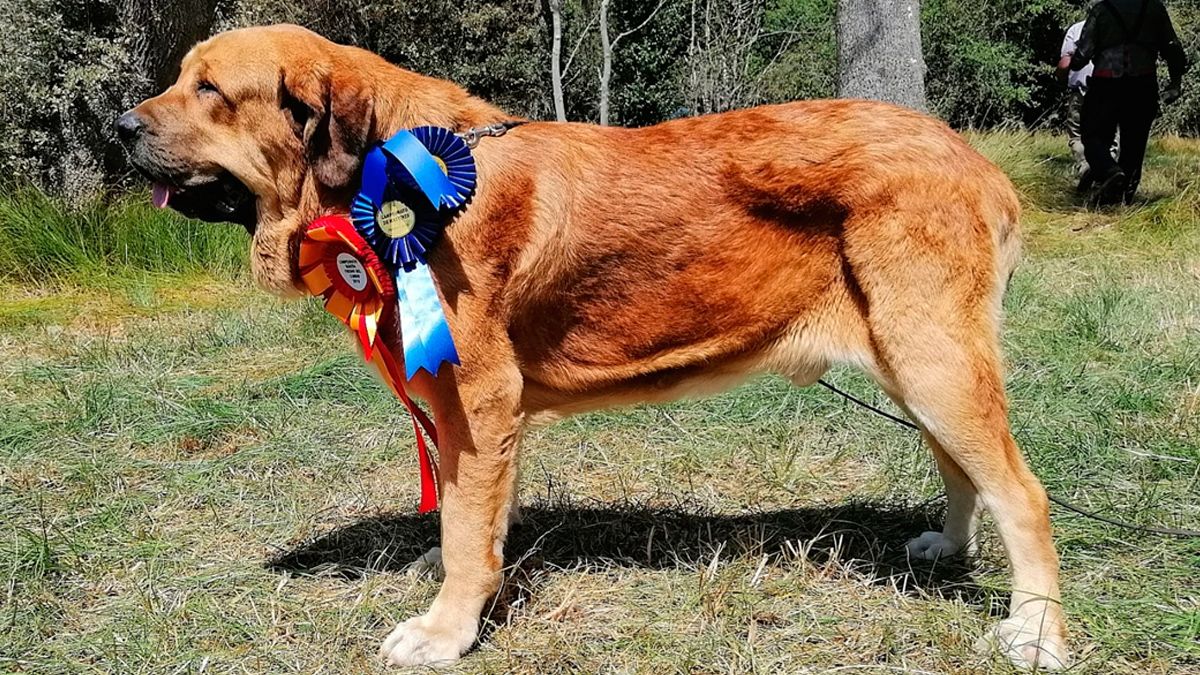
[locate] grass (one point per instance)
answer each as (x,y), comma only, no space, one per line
(196,477)
(46,241)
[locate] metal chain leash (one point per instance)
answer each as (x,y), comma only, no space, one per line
(474,134)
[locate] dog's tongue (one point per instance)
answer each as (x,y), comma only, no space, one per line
(160,195)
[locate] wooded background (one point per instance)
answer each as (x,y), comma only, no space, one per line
(68,67)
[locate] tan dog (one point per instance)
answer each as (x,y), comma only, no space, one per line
(600,266)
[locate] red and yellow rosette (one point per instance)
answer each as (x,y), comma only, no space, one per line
(338,264)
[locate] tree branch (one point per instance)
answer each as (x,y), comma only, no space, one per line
(640,26)
(578,43)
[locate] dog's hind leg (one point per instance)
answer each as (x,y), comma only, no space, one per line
(477,410)
(957,397)
(932,309)
(958,533)
(960,404)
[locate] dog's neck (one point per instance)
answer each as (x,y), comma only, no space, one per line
(430,101)
(423,101)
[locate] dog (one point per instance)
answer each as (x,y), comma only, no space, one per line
(599,266)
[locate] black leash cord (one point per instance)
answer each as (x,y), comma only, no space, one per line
(1168,531)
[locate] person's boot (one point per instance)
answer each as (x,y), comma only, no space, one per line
(1111,189)
(1085,181)
(1131,188)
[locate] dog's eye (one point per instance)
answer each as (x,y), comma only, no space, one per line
(206,87)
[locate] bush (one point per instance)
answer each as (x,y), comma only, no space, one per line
(988,62)
(1184,115)
(69,67)
(497,49)
(992,63)
(65,73)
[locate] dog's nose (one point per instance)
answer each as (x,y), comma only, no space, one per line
(129,126)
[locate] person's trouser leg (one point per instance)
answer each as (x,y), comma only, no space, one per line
(1137,116)
(1074,138)
(1098,125)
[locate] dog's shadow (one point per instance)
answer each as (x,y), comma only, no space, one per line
(860,538)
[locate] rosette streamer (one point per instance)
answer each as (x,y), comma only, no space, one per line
(337,263)
(408,183)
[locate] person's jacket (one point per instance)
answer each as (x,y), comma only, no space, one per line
(1124,38)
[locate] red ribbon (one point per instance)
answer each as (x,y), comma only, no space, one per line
(392,374)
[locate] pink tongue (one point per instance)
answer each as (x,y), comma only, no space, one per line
(160,195)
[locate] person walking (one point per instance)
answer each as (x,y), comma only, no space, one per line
(1076,88)
(1077,81)
(1123,40)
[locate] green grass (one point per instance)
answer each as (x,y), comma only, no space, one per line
(197,477)
(46,240)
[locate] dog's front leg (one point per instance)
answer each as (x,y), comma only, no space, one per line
(479,427)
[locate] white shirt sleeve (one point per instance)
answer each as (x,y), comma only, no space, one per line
(1069,40)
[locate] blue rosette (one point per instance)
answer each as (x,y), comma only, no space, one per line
(410,186)
(456,162)
(402,229)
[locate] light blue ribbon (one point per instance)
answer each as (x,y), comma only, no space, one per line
(427,340)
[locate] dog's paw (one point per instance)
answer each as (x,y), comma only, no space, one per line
(933,545)
(422,642)
(1027,644)
(428,565)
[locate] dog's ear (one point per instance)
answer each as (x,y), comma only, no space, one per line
(333,117)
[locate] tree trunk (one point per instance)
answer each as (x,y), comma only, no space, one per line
(556,74)
(606,48)
(879,51)
(164,30)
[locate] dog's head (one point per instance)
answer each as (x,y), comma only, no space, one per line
(266,127)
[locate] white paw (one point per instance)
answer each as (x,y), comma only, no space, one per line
(1027,643)
(421,642)
(429,564)
(933,545)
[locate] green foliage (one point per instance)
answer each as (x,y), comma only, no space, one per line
(992,62)
(1184,114)
(646,64)
(68,67)
(497,49)
(807,68)
(65,74)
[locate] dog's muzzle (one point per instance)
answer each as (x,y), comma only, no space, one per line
(216,198)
